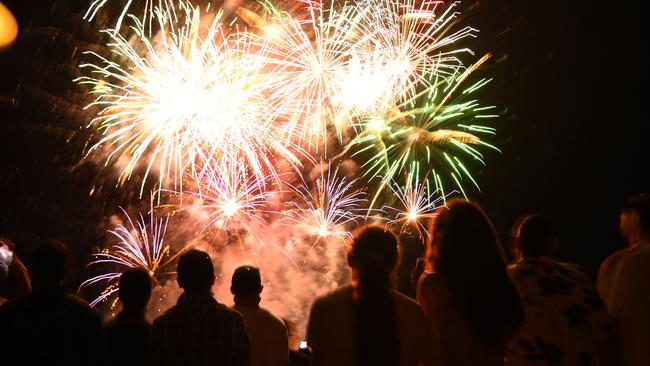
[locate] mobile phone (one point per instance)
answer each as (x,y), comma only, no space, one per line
(303,345)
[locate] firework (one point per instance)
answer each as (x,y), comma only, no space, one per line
(399,47)
(418,201)
(329,208)
(306,56)
(230,196)
(139,245)
(196,89)
(431,139)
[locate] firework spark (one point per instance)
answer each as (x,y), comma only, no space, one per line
(139,245)
(418,201)
(329,208)
(230,196)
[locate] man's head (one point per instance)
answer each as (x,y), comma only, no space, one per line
(246,284)
(195,271)
(135,288)
(635,218)
(48,264)
(534,236)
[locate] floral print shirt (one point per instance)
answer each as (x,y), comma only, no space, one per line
(564,315)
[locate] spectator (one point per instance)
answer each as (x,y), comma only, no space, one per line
(367,322)
(127,336)
(14,278)
(269,337)
(623,285)
(566,322)
(199,330)
(471,305)
(50,325)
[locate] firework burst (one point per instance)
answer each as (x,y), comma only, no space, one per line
(138,246)
(328,209)
(417,202)
(197,89)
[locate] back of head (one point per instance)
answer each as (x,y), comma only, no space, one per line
(195,271)
(640,205)
(48,264)
(373,253)
(534,236)
(469,256)
(246,280)
(135,288)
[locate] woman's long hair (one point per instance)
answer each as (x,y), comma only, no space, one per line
(469,255)
(374,254)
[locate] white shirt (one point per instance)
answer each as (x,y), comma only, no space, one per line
(269,338)
(624,280)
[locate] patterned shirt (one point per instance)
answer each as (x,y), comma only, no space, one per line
(564,315)
(200,331)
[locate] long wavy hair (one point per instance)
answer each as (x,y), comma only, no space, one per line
(373,252)
(465,249)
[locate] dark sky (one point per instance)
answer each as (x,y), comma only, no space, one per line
(571,78)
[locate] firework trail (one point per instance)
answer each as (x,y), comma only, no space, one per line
(139,245)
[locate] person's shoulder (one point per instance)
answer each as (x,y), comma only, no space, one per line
(406,304)
(614,258)
(80,306)
(272,318)
(640,257)
(168,315)
(336,296)
(431,280)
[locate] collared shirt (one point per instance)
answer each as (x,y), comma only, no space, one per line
(269,338)
(564,315)
(623,282)
(200,331)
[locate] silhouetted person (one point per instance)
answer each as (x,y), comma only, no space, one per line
(127,336)
(14,278)
(368,322)
(471,305)
(50,326)
(199,330)
(269,338)
(566,322)
(623,282)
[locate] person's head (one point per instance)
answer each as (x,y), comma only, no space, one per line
(635,218)
(135,288)
(373,247)
(246,285)
(48,264)
(195,272)
(465,250)
(534,236)
(372,256)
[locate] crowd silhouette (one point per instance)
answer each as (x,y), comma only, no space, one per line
(459,304)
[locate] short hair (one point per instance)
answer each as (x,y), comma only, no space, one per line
(534,234)
(49,262)
(640,204)
(195,271)
(135,287)
(246,280)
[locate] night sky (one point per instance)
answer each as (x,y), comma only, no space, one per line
(570,79)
